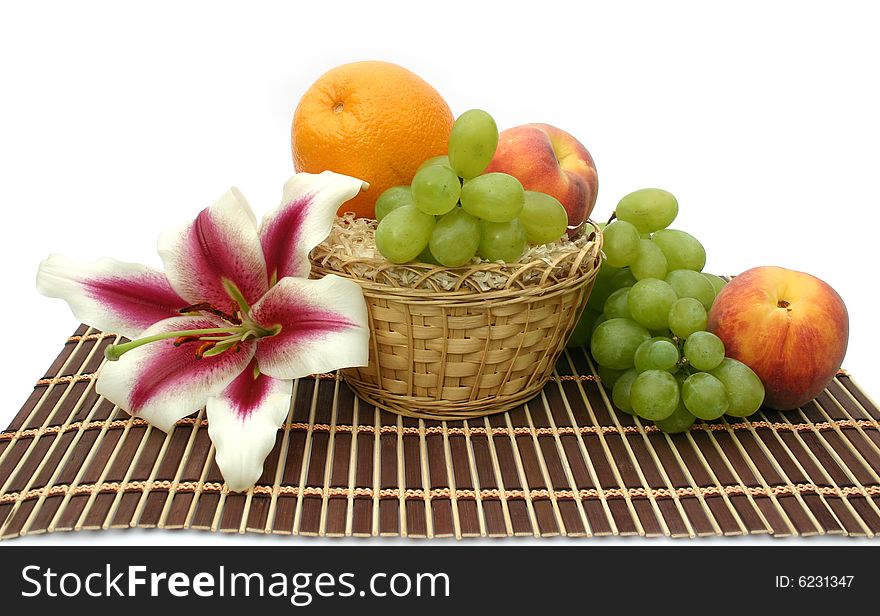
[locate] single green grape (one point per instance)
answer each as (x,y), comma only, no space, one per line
(391,199)
(680,420)
(543,217)
(472,143)
(608,376)
(688,283)
(705,396)
(442,160)
(687,316)
(682,250)
(615,341)
(704,350)
(621,245)
(496,197)
(620,393)
(404,233)
(745,392)
(650,262)
(455,238)
(435,189)
(502,241)
(649,302)
(654,394)
(622,278)
(649,209)
(717,282)
(426,257)
(616,306)
(656,354)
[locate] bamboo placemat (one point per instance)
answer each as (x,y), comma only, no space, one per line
(563,464)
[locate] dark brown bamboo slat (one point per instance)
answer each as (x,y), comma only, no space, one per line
(565,463)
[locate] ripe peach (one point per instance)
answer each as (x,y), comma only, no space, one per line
(789,327)
(549,160)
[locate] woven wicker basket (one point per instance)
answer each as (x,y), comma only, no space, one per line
(447,344)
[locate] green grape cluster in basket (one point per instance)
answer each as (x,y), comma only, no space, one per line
(453,211)
(646,322)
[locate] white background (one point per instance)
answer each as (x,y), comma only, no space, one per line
(117,120)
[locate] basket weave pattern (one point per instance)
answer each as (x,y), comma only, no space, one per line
(445,345)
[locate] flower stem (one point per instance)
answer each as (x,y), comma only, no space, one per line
(115,351)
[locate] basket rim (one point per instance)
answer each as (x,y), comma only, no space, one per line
(583,259)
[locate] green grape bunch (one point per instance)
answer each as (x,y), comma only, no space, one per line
(645,322)
(454,212)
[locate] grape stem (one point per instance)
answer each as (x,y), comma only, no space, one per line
(683,363)
(612,219)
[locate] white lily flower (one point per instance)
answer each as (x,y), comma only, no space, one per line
(229,324)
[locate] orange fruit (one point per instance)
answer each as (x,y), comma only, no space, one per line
(375,121)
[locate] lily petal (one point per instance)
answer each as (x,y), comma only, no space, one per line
(243,422)
(163,383)
(323,327)
(303,220)
(123,298)
(220,245)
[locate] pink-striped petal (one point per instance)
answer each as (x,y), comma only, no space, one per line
(162,383)
(323,327)
(303,220)
(242,423)
(220,244)
(123,298)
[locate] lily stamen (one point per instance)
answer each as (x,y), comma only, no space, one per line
(115,351)
(215,340)
(237,296)
(233,317)
(232,345)
(203,348)
(184,339)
